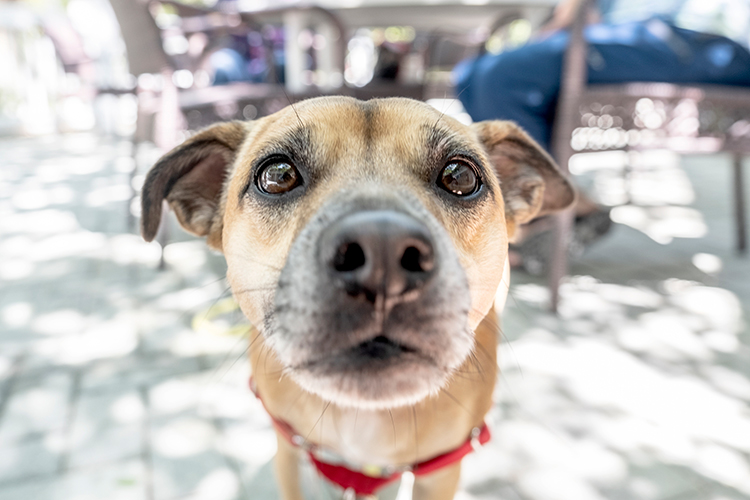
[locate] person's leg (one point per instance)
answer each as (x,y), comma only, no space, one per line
(654,51)
(519,85)
(714,59)
(522,85)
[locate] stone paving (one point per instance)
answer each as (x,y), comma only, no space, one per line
(113,385)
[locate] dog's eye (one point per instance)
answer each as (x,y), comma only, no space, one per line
(278,177)
(459,178)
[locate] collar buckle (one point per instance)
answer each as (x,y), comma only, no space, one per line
(475,443)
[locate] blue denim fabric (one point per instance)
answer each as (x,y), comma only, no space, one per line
(523,84)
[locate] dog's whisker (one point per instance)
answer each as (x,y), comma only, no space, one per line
(254,261)
(291,104)
(496,326)
(282,86)
(265,361)
(229,354)
(250,290)
(512,295)
(242,356)
(513,352)
(492,360)
(393,424)
(464,375)
(212,282)
(483,350)
(446,108)
(186,313)
(301,392)
(328,403)
(442,112)
(212,378)
(208,311)
(479,369)
(320,428)
(256,361)
(335,424)
(416,433)
(457,401)
(519,307)
(480,366)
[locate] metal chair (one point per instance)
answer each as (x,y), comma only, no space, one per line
(160,115)
(694,119)
(166,112)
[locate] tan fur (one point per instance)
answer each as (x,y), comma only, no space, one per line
(370,437)
(357,145)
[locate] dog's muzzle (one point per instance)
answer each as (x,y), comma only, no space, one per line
(371,306)
(379,256)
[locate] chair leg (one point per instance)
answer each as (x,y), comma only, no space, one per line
(130,221)
(558,258)
(739,205)
(162,235)
(137,139)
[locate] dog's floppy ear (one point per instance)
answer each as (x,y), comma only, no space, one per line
(532,184)
(191,178)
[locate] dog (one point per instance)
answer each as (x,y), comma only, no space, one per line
(366,241)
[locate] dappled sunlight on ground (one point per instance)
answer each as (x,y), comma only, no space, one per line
(106,391)
(122,382)
(638,390)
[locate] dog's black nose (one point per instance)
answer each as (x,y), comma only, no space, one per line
(378,253)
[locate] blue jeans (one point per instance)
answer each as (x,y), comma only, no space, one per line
(522,85)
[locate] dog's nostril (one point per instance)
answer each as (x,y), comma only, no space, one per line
(375,254)
(349,257)
(410,261)
(415,260)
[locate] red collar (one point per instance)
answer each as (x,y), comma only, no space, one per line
(364,484)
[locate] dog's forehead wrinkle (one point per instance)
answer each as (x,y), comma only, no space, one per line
(450,142)
(294,142)
(369,108)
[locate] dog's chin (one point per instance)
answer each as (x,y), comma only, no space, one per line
(377,374)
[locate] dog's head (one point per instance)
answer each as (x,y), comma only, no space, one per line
(365,240)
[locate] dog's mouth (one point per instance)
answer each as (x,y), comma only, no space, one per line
(376,373)
(373,355)
(380,348)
